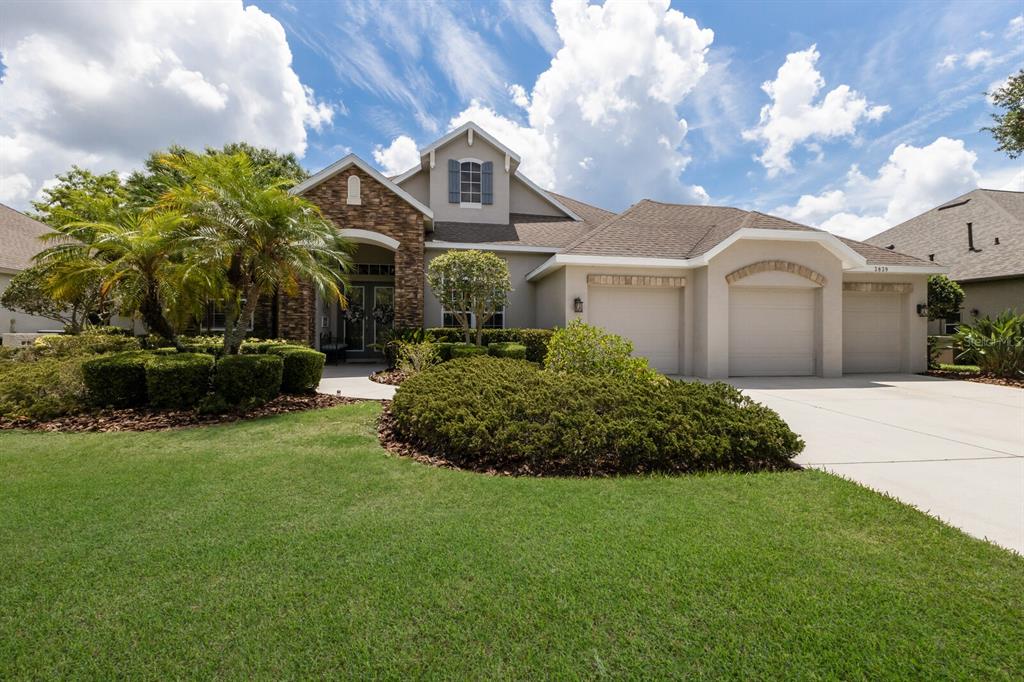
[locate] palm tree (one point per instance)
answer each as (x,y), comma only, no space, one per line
(133,258)
(252,236)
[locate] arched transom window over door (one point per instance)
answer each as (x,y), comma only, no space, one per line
(469,177)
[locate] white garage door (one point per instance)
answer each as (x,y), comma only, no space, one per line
(872,337)
(771,332)
(647,317)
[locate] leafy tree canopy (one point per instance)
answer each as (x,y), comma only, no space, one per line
(30,292)
(1008,129)
(80,195)
(471,285)
(945,298)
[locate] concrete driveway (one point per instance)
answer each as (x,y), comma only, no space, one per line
(953,449)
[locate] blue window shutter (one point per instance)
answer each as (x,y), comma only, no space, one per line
(487,182)
(453,181)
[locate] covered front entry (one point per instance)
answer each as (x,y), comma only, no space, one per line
(872,332)
(771,331)
(354,330)
(649,317)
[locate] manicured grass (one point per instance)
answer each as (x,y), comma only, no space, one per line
(295,547)
(959,368)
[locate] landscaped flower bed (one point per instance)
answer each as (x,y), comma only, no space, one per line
(509,416)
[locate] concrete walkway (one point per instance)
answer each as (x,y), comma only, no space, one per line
(351,380)
(954,449)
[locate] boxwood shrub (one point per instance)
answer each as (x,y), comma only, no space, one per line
(180,380)
(302,369)
(495,413)
(53,345)
(507,349)
(248,379)
(116,380)
(259,346)
(535,340)
(465,350)
(42,388)
(444,350)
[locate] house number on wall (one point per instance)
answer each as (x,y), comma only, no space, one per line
(881,268)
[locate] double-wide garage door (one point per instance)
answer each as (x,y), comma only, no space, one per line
(771,331)
(647,317)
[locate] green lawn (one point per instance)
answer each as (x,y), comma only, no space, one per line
(295,547)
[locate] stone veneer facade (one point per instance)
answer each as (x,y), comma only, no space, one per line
(380,210)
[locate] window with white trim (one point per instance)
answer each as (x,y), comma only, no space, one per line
(215,316)
(469,179)
(496,321)
(951,324)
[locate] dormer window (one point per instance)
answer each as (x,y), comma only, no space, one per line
(470,182)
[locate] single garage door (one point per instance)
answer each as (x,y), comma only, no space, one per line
(771,332)
(872,334)
(647,317)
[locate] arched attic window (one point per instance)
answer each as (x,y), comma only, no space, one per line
(354,188)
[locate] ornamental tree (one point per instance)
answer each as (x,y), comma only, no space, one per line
(945,298)
(1008,129)
(471,286)
(29,292)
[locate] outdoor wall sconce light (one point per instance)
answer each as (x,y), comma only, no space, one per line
(922,310)
(577,304)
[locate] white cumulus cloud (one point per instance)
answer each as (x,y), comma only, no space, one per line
(912,181)
(977,58)
(794,116)
(398,157)
(102,85)
(602,120)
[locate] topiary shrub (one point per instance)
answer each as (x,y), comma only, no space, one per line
(43,388)
(259,346)
(52,345)
(535,340)
(494,413)
(506,349)
(467,350)
(244,380)
(211,345)
(302,369)
(180,380)
(582,348)
(444,350)
(117,380)
(165,351)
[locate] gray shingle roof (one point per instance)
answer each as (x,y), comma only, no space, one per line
(19,239)
(942,231)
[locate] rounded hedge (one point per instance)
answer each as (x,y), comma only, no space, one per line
(465,350)
(535,340)
(494,413)
(507,349)
(248,379)
(116,380)
(180,380)
(303,367)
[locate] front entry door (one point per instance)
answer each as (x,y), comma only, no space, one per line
(371,311)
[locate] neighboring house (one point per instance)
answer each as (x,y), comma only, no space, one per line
(19,242)
(980,236)
(700,290)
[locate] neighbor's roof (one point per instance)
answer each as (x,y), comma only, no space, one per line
(942,232)
(651,229)
(19,239)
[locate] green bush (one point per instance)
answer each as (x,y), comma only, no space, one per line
(391,341)
(52,345)
(165,351)
(43,388)
(995,345)
(259,346)
(581,348)
(535,340)
(178,381)
(507,349)
(244,380)
(415,357)
(211,345)
(302,369)
(155,341)
(106,330)
(444,350)
(117,380)
(466,350)
(485,413)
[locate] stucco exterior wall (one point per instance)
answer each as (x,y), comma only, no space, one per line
(22,322)
(418,185)
(992,297)
(829,306)
(522,199)
(549,294)
(915,346)
(459,149)
(522,302)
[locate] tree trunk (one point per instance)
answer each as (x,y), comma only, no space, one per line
(234,330)
(153,313)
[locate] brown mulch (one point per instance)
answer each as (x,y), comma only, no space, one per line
(394,377)
(1012,382)
(143,419)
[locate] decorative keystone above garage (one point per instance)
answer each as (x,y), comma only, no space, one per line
(775,266)
(879,287)
(645,281)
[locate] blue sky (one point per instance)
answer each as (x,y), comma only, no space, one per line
(873,117)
